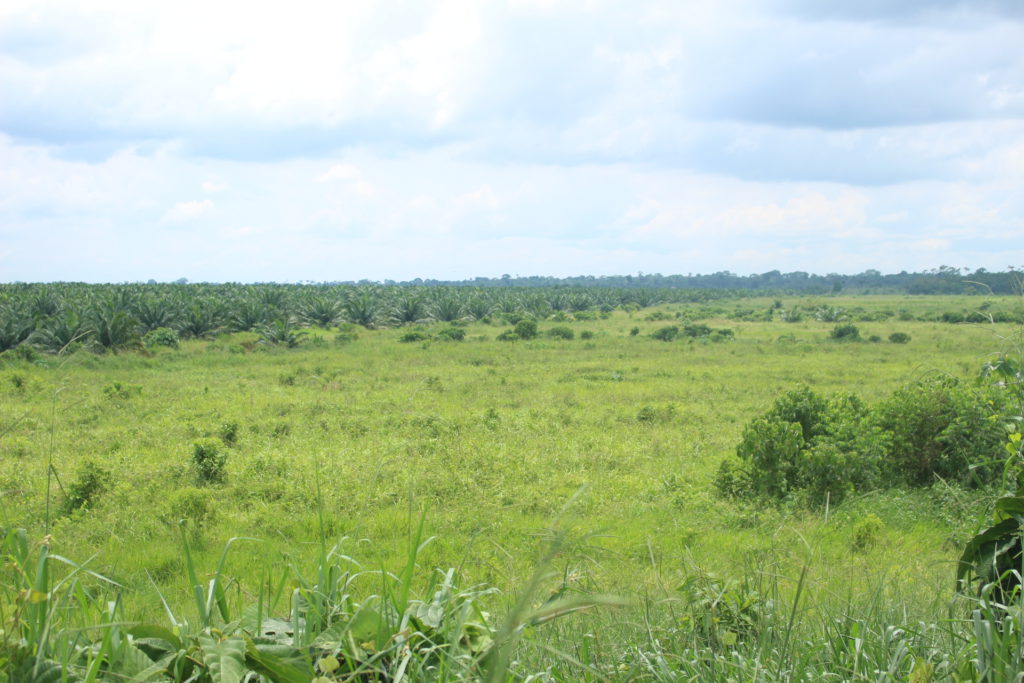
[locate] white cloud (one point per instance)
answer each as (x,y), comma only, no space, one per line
(528,135)
(931,245)
(339,172)
(187,211)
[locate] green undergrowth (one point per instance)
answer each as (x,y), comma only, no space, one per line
(120,461)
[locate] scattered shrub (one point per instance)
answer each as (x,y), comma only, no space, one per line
(452,334)
(561,332)
(696,330)
(414,336)
(942,427)
(192,506)
(526,329)
(866,533)
(122,392)
(899,338)
(952,317)
(161,336)
(92,480)
(586,334)
(652,414)
(228,433)
(821,450)
(847,332)
(634,331)
(210,463)
(665,334)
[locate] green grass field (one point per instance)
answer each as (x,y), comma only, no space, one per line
(616,438)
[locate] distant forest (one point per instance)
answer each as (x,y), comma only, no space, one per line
(942,280)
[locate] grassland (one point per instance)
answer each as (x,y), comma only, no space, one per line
(618,434)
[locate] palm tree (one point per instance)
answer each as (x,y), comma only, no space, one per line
(361,308)
(281,332)
(61,332)
(409,308)
(321,311)
(15,326)
(113,327)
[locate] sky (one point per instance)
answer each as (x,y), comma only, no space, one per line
(449,139)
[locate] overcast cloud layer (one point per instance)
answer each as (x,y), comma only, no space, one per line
(451,139)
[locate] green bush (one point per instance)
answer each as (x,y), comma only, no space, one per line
(586,334)
(526,329)
(561,332)
(942,427)
(414,336)
(209,461)
(820,450)
(866,533)
(899,338)
(228,433)
(665,334)
(92,480)
(161,336)
(122,392)
(847,332)
(452,334)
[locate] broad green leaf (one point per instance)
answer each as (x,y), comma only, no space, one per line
(152,632)
(281,663)
(225,659)
(365,624)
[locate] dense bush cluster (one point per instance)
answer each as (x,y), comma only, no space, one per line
(817,449)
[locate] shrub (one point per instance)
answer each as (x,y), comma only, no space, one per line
(561,332)
(586,334)
(899,338)
(414,336)
(91,481)
(866,533)
(825,449)
(526,329)
(452,334)
(161,336)
(847,332)
(192,506)
(665,334)
(122,392)
(696,330)
(634,331)
(651,414)
(209,461)
(228,433)
(508,335)
(943,428)
(952,317)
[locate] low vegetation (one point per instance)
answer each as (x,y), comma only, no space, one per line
(542,485)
